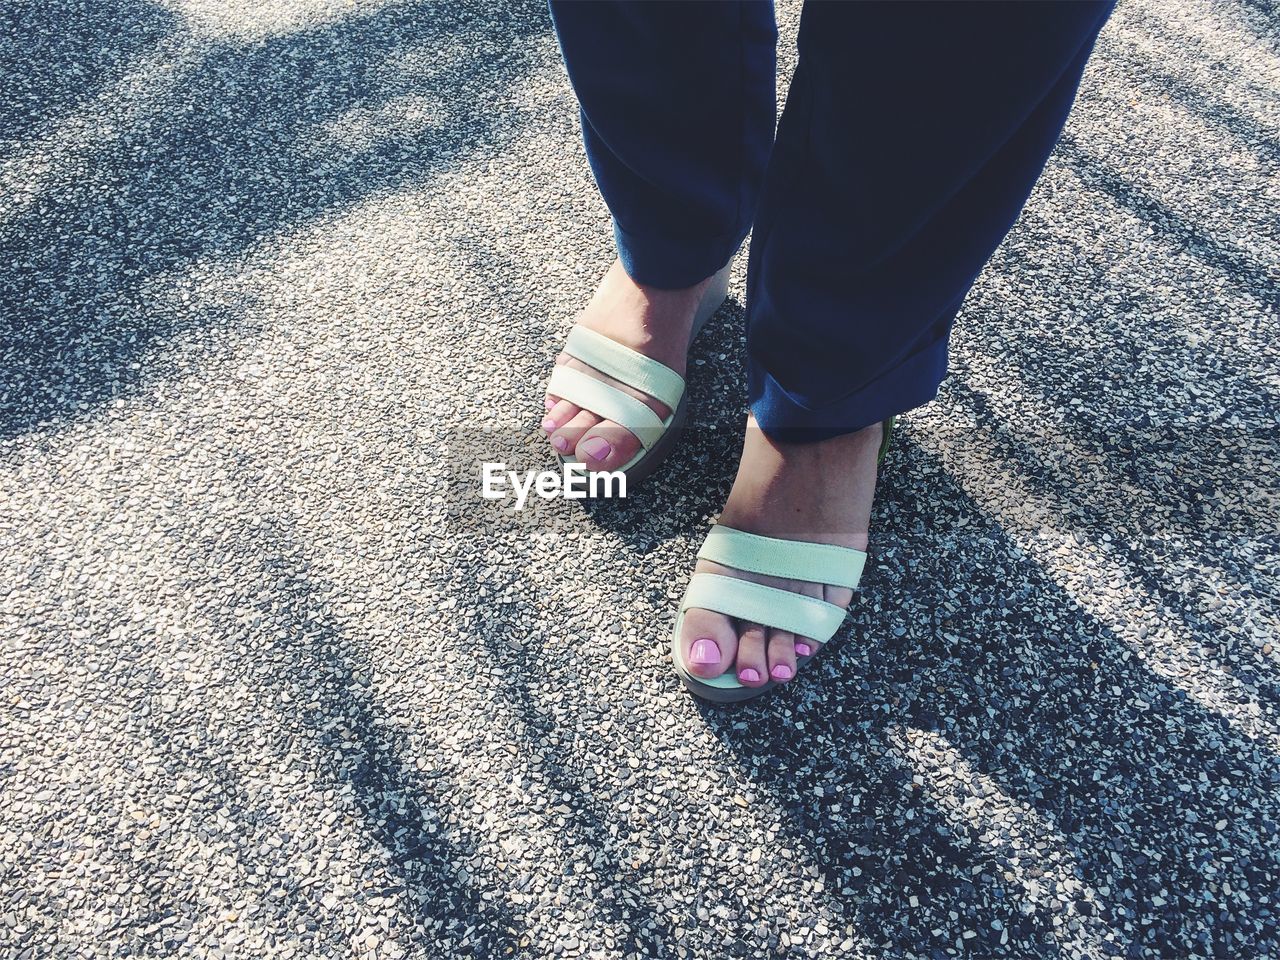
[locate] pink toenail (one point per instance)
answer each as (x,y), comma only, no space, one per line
(548,425)
(803,649)
(549,404)
(705,653)
(781,671)
(749,675)
(560,443)
(597,448)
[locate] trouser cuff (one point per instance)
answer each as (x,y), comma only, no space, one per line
(788,418)
(673,263)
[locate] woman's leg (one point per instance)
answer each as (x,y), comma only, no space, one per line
(911,138)
(677,111)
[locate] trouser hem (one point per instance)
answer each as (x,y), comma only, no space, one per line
(786,418)
(673,262)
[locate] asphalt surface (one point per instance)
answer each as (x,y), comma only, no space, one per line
(275,277)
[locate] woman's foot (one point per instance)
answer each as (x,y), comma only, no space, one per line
(649,320)
(821,492)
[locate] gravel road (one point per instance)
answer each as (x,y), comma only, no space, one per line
(276,275)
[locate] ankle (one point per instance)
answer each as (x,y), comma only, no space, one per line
(618,286)
(819,491)
(651,320)
(832,457)
(834,451)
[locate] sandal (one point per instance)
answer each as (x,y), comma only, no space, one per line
(795,613)
(656,435)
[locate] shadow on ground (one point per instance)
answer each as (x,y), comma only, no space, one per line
(80,50)
(1164,812)
(1041,704)
(235,147)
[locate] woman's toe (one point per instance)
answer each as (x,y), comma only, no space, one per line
(566,437)
(607,446)
(557,415)
(709,642)
(753,662)
(782,655)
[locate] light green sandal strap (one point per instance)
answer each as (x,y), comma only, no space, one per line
(769,606)
(608,403)
(789,559)
(886,438)
(622,363)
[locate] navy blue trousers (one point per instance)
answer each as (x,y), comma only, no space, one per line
(912,136)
